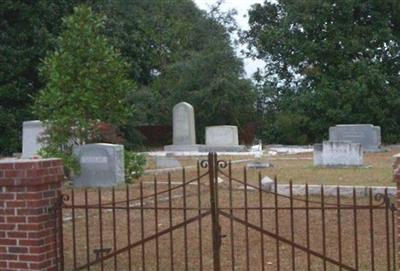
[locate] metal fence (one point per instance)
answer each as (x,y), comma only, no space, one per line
(202,223)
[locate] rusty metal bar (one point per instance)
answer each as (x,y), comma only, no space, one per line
(278,259)
(375,207)
(284,240)
(142,227)
(87,230)
(339,223)
(308,230)
(355,227)
(199,220)
(128,225)
(185,233)
(73,228)
(59,213)
(246,217)
(156,224)
(114,227)
(387,204)
(100,228)
(147,239)
(171,238)
(323,225)
(232,235)
(292,225)
(393,238)
(214,212)
(260,198)
(371,231)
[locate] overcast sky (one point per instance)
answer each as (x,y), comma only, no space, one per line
(241,7)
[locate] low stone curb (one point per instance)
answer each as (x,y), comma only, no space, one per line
(331,190)
(162,170)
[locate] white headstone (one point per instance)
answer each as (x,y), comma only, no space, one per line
(184,132)
(101,164)
(338,154)
(31,133)
(368,135)
(224,135)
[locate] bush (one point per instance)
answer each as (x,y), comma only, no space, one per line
(134,165)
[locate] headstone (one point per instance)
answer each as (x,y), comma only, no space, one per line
(318,160)
(31,133)
(368,135)
(338,154)
(184,132)
(101,164)
(259,165)
(183,129)
(167,162)
(223,138)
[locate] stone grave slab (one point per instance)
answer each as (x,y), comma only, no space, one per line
(223,138)
(338,154)
(183,129)
(368,135)
(31,133)
(101,165)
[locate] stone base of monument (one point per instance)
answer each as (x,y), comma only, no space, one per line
(183,148)
(338,154)
(204,148)
(258,165)
(101,164)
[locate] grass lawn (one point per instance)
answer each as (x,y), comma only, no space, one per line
(299,168)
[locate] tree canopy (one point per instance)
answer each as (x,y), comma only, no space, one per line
(175,51)
(87,84)
(327,62)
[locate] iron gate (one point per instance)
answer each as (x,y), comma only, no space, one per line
(219,221)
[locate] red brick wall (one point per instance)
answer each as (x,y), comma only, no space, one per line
(28,233)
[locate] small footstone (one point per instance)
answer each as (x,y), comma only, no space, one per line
(267,184)
(259,165)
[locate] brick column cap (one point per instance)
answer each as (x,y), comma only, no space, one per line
(30,172)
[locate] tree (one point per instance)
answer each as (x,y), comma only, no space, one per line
(87,83)
(185,54)
(27,29)
(328,62)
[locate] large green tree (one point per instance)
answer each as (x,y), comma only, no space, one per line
(27,31)
(327,62)
(181,53)
(86,83)
(175,51)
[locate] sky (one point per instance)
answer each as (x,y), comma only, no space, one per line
(241,7)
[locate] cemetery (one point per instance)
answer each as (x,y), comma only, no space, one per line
(199,135)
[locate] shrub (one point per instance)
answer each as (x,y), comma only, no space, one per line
(134,165)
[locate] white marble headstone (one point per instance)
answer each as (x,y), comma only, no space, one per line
(184,132)
(223,135)
(31,133)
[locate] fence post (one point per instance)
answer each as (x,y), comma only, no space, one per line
(29,237)
(216,241)
(396,178)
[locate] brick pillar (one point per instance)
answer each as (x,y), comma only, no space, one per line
(29,189)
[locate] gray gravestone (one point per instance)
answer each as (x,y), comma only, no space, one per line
(367,135)
(31,133)
(100,165)
(166,162)
(338,154)
(183,129)
(223,138)
(184,132)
